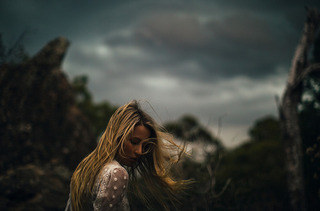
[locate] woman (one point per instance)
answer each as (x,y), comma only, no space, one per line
(131,139)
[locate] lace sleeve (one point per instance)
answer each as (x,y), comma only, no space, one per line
(111,189)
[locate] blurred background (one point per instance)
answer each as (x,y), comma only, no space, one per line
(208,71)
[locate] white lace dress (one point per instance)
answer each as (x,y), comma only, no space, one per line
(109,191)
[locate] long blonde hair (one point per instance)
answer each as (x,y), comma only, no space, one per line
(153,167)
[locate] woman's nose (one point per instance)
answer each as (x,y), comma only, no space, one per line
(138,150)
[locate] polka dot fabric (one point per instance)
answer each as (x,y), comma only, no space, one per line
(110,188)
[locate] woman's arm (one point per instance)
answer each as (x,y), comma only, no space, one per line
(111,189)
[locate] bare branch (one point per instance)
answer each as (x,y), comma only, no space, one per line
(220,125)
(305,73)
(224,188)
(310,69)
(299,61)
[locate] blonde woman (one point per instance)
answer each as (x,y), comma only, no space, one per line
(132,143)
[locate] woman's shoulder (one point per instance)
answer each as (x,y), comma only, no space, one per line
(110,188)
(111,175)
(113,165)
(113,168)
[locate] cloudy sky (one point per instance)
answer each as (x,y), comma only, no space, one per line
(219,60)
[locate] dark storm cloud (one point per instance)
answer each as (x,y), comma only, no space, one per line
(207,58)
(45,20)
(238,44)
(293,11)
(271,5)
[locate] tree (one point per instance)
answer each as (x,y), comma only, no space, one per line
(187,128)
(97,113)
(309,117)
(266,128)
(257,174)
(288,111)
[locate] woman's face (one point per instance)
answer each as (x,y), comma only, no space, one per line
(134,145)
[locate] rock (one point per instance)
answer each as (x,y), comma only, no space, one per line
(41,131)
(31,188)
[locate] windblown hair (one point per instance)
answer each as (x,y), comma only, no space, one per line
(153,166)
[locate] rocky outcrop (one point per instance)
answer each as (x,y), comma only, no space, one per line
(40,126)
(31,187)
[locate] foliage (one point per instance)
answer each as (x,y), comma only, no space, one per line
(310,111)
(257,174)
(187,128)
(313,174)
(97,113)
(309,114)
(266,128)
(14,54)
(255,169)
(310,132)
(258,177)
(203,194)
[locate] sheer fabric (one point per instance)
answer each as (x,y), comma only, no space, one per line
(109,191)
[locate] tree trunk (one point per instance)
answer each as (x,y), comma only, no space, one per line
(288,111)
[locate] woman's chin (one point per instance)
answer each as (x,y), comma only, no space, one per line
(128,162)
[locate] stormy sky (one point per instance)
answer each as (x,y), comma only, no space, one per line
(219,60)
